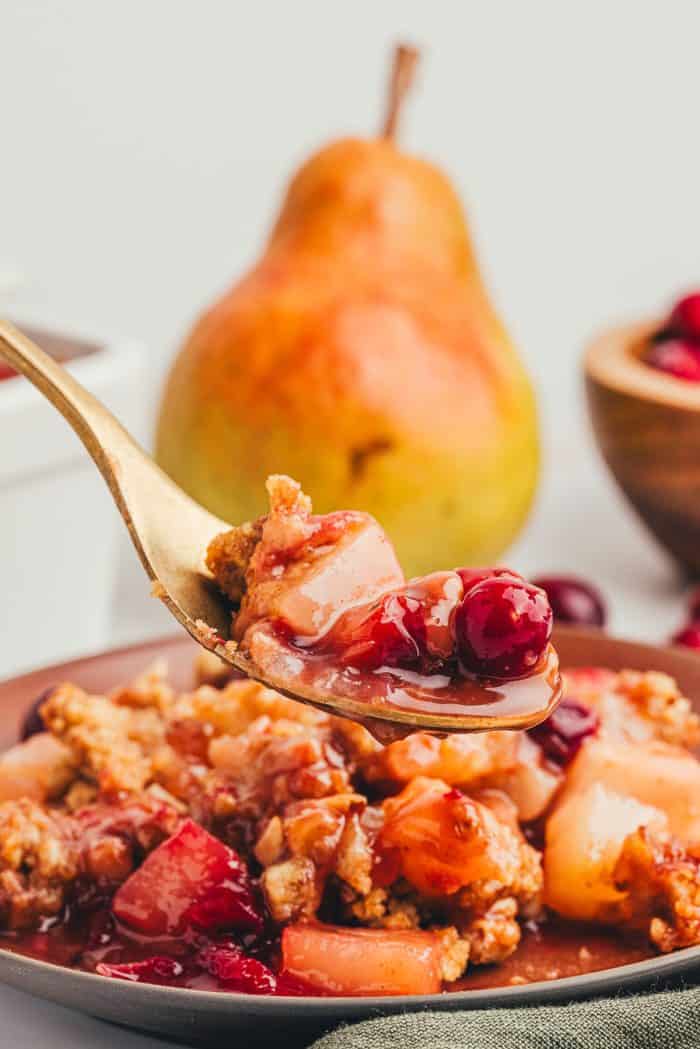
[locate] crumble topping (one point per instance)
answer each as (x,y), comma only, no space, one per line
(421,834)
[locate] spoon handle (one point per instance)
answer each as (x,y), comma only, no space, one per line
(103,436)
(158,514)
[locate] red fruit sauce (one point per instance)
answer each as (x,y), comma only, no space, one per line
(474,641)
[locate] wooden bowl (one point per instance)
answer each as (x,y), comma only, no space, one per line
(647,425)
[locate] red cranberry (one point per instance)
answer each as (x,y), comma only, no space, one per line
(392,635)
(227,906)
(685,318)
(502,627)
(572,600)
(561,735)
(236,970)
(32,722)
(6,372)
(689,636)
(159,969)
(676,357)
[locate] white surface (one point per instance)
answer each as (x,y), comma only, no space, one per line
(58,530)
(145,145)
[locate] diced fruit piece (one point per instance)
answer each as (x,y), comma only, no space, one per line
(191,879)
(6,372)
(159,969)
(441,839)
(685,317)
(40,768)
(503,628)
(406,628)
(361,565)
(532,782)
(689,636)
(572,600)
(677,357)
(236,970)
(227,906)
(584,837)
(562,734)
(362,961)
(655,773)
(391,634)
(352,564)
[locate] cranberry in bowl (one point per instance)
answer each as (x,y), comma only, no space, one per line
(644,401)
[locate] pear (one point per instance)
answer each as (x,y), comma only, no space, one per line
(361,355)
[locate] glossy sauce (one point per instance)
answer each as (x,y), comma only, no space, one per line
(549,951)
(555,950)
(446,691)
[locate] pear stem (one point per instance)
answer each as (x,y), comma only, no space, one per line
(402,74)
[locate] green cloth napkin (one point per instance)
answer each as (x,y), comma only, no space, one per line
(662,1020)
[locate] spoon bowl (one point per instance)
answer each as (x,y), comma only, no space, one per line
(171,533)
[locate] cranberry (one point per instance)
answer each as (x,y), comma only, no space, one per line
(689,636)
(572,600)
(685,318)
(224,906)
(6,372)
(236,970)
(393,634)
(502,627)
(677,357)
(32,722)
(561,735)
(159,969)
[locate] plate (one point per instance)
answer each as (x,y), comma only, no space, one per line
(201,1017)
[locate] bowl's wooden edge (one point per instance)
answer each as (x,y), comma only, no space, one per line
(609,361)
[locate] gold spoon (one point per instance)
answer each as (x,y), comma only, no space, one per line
(171,534)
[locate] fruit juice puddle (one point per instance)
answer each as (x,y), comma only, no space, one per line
(557,949)
(549,950)
(61,348)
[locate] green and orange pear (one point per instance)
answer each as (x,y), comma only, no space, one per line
(361,355)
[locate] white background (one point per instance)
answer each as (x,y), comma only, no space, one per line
(144,146)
